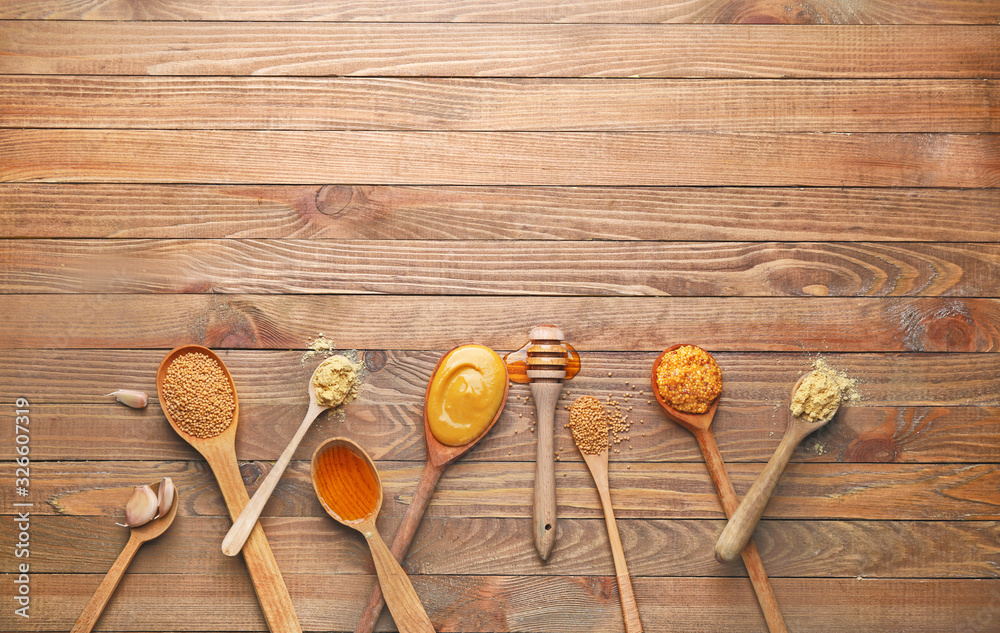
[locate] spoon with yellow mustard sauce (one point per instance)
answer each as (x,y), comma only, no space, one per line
(350,490)
(337,367)
(465,397)
(816,397)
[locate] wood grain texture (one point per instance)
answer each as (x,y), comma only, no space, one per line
(646,491)
(501,158)
(313,103)
(745,433)
(497,50)
(796,324)
(763,269)
(448,212)
(588,11)
(576,604)
(655,547)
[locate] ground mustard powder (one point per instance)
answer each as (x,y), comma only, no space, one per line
(335,381)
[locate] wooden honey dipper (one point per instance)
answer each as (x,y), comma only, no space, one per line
(544,363)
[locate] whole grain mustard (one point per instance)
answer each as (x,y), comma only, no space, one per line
(689,379)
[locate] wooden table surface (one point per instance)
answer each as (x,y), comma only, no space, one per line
(405,176)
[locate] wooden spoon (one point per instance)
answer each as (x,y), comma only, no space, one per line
(598,465)
(350,490)
(237,535)
(439,456)
(743,522)
(700,425)
(220,453)
(138,536)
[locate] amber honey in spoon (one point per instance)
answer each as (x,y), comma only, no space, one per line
(452,377)
(137,536)
(349,489)
(743,522)
(215,438)
(700,425)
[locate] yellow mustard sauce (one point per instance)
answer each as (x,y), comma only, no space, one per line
(465,394)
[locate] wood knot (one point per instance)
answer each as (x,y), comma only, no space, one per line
(872,449)
(334,200)
(940,327)
(251,473)
(374,360)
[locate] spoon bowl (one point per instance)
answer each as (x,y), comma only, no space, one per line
(240,531)
(220,453)
(137,536)
(744,521)
(700,425)
(348,487)
(439,456)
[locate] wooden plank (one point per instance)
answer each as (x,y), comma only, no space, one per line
(944,492)
(616,213)
(654,547)
(587,11)
(501,158)
(492,50)
(438,323)
(744,433)
(503,603)
(631,268)
(330,103)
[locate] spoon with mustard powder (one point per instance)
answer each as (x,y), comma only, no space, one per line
(589,423)
(333,382)
(815,399)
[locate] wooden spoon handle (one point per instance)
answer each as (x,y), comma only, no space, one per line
(546,395)
(630,610)
(272,594)
(240,531)
(92,612)
(751,557)
(401,543)
(743,522)
(404,604)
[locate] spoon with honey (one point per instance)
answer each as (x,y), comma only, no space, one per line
(350,490)
(238,533)
(464,399)
(137,536)
(202,419)
(826,394)
(700,425)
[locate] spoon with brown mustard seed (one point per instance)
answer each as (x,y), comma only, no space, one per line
(589,423)
(138,535)
(822,392)
(700,425)
(199,399)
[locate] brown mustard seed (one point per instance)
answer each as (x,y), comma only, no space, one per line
(589,423)
(689,379)
(198,395)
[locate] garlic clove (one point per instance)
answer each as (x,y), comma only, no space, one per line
(165,496)
(130,398)
(141,508)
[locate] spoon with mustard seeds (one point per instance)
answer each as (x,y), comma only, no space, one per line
(589,424)
(198,397)
(819,398)
(137,536)
(700,425)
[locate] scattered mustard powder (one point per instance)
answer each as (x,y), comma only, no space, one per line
(335,381)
